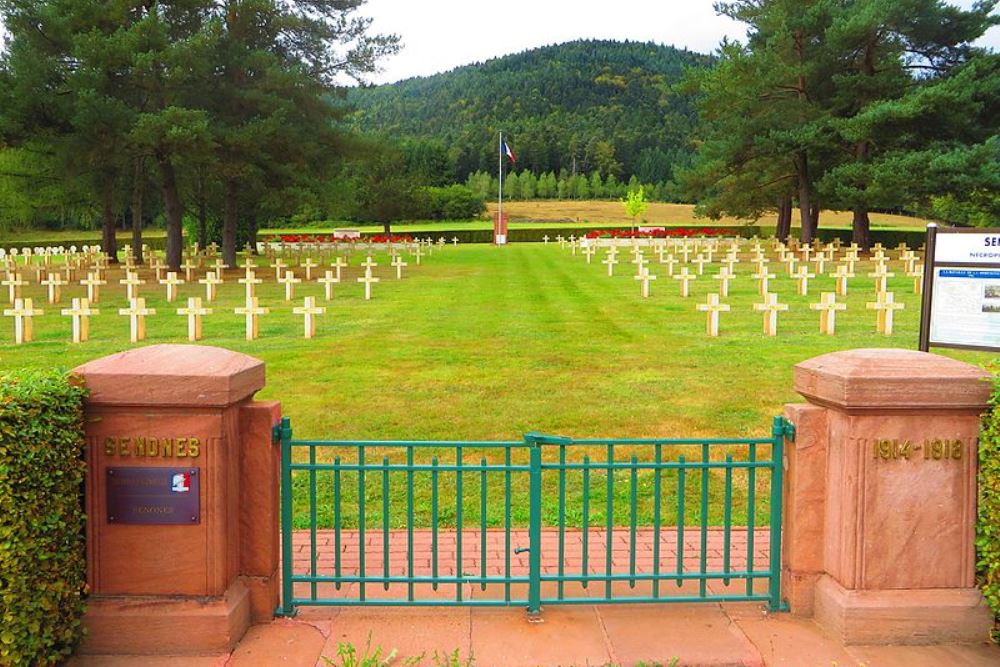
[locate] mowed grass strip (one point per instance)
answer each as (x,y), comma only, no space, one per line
(485,343)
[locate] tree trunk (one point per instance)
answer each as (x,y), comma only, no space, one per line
(230,220)
(252,230)
(109,242)
(138,189)
(814,216)
(387,228)
(174,212)
(861,228)
(783,230)
(202,214)
(805,209)
(861,225)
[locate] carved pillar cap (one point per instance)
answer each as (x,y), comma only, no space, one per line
(172,375)
(881,380)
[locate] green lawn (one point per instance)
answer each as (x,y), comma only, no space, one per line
(489,343)
(484,342)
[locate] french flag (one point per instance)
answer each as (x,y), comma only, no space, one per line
(507,151)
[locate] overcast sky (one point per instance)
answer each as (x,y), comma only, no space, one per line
(439,35)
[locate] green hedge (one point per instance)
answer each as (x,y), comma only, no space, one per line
(156,243)
(536,235)
(988,526)
(889,238)
(42,541)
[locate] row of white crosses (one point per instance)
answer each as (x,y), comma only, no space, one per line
(828,306)
(801,276)
(137,312)
(132,281)
(82,308)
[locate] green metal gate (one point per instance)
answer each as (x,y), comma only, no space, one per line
(540,521)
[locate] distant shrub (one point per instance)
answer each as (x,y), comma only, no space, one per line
(42,559)
(454,202)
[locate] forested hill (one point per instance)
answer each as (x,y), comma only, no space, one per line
(599,105)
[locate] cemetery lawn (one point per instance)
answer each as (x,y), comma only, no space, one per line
(485,343)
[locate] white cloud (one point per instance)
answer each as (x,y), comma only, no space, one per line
(439,35)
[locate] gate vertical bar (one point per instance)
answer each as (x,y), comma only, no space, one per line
(535,528)
(780,429)
(286,608)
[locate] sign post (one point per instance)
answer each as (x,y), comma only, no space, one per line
(961,290)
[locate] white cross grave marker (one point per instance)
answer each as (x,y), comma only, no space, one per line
(828,308)
(194,312)
(713,308)
(309,310)
(81,313)
(137,313)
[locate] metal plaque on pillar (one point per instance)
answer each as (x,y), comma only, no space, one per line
(150,495)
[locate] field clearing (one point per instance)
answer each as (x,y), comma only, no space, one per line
(487,343)
(521,214)
(659,213)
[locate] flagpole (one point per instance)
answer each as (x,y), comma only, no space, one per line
(499,222)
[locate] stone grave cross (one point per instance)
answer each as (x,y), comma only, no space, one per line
(93,284)
(368,280)
(828,308)
(211,281)
(713,308)
(309,310)
(289,281)
(81,313)
(172,282)
(53,283)
(137,313)
(22,312)
(685,279)
(252,312)
(194,311)
(886,305)
(644,276)
(131,281)
(770,308)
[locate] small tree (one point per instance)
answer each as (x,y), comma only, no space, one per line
(635,204)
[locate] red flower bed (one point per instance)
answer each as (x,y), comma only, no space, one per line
(330,238)
(668,232)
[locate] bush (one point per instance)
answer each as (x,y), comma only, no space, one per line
(42,559)
(988,525)
(455,202)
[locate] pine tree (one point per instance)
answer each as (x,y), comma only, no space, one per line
(511,186)
(597,185)
(529,185)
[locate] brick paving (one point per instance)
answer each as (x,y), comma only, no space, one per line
(702,634)
(472,564)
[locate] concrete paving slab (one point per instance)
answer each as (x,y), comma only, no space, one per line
(695,634)
(283,642)
(570,635)
(788,641)
(407,631)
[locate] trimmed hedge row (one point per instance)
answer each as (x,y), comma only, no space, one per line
(888,238)
(988,525)
(156,243)
(42,542)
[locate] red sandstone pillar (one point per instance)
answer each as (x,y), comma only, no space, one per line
(881,497)
(182,500)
